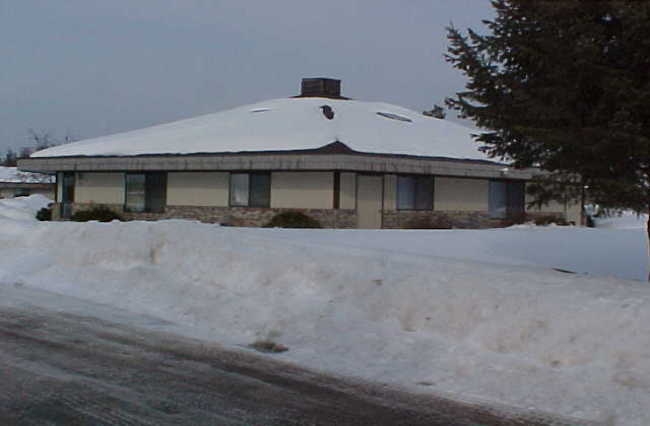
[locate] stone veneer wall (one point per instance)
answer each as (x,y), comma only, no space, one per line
(428,219)
(341,218)
(235,216)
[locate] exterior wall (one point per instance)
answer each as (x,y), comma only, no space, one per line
(99,188)
(571,211)
(302,190)
(233,216)
(348,191)
(413,219)
(197,189)
(460,195)
(574,213)
(458,202)
(390,192)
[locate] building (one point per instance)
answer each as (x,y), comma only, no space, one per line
(347,163)
(15,183)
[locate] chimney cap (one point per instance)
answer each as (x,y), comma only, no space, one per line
(322,87)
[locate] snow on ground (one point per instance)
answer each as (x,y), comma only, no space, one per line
(21,208)
(401,307)
(622,220)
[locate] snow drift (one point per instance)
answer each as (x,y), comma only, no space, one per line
(520,335)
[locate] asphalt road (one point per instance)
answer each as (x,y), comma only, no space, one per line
(58,368)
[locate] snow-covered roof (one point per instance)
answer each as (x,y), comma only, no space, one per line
(13,175)
(287,125)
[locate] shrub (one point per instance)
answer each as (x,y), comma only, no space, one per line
(544,220)
(44,214)
(292,220)
(429,222)
(514,219)
(99,213)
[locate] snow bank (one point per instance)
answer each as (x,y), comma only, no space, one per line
(624,220)
(519,335)
(22,208)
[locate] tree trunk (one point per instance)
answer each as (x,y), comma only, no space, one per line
(647,227)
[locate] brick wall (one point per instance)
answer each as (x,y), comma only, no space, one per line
(328,218)
(401,219)
(235,216)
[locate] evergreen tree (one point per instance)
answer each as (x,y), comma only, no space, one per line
(565,86)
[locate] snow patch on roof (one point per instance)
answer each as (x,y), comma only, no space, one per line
(13,175)
(290,124)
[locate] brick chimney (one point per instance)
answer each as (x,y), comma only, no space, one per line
(320,87)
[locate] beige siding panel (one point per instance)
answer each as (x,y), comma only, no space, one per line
(369,201)
(459,194)
(571,210)
(574,213)
(390,192)
(302,190)
(551,207)
(99,188)
(197,189)
(348,191)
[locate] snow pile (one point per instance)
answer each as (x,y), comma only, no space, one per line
(13,175)
(22,208)
(620,253)
(625,220)
(290,124)
(517,335)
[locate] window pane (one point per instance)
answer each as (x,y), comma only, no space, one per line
(156,192)
(516,197)
(135,196)
(68,188)
(498,199)
(405,193)
(239,189)
(424,193)
(260,190)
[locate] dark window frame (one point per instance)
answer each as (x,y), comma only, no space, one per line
(155,183)
(417,181)
(68,183)
(336,202)
(514,198)
(250,202)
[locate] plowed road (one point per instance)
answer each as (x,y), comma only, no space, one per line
(63,368)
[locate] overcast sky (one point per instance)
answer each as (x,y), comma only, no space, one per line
(94,67)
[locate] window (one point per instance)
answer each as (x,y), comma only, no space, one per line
(67,194)
(506,198)
(250,189)
(135,200)
(415,193)
(145,192)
